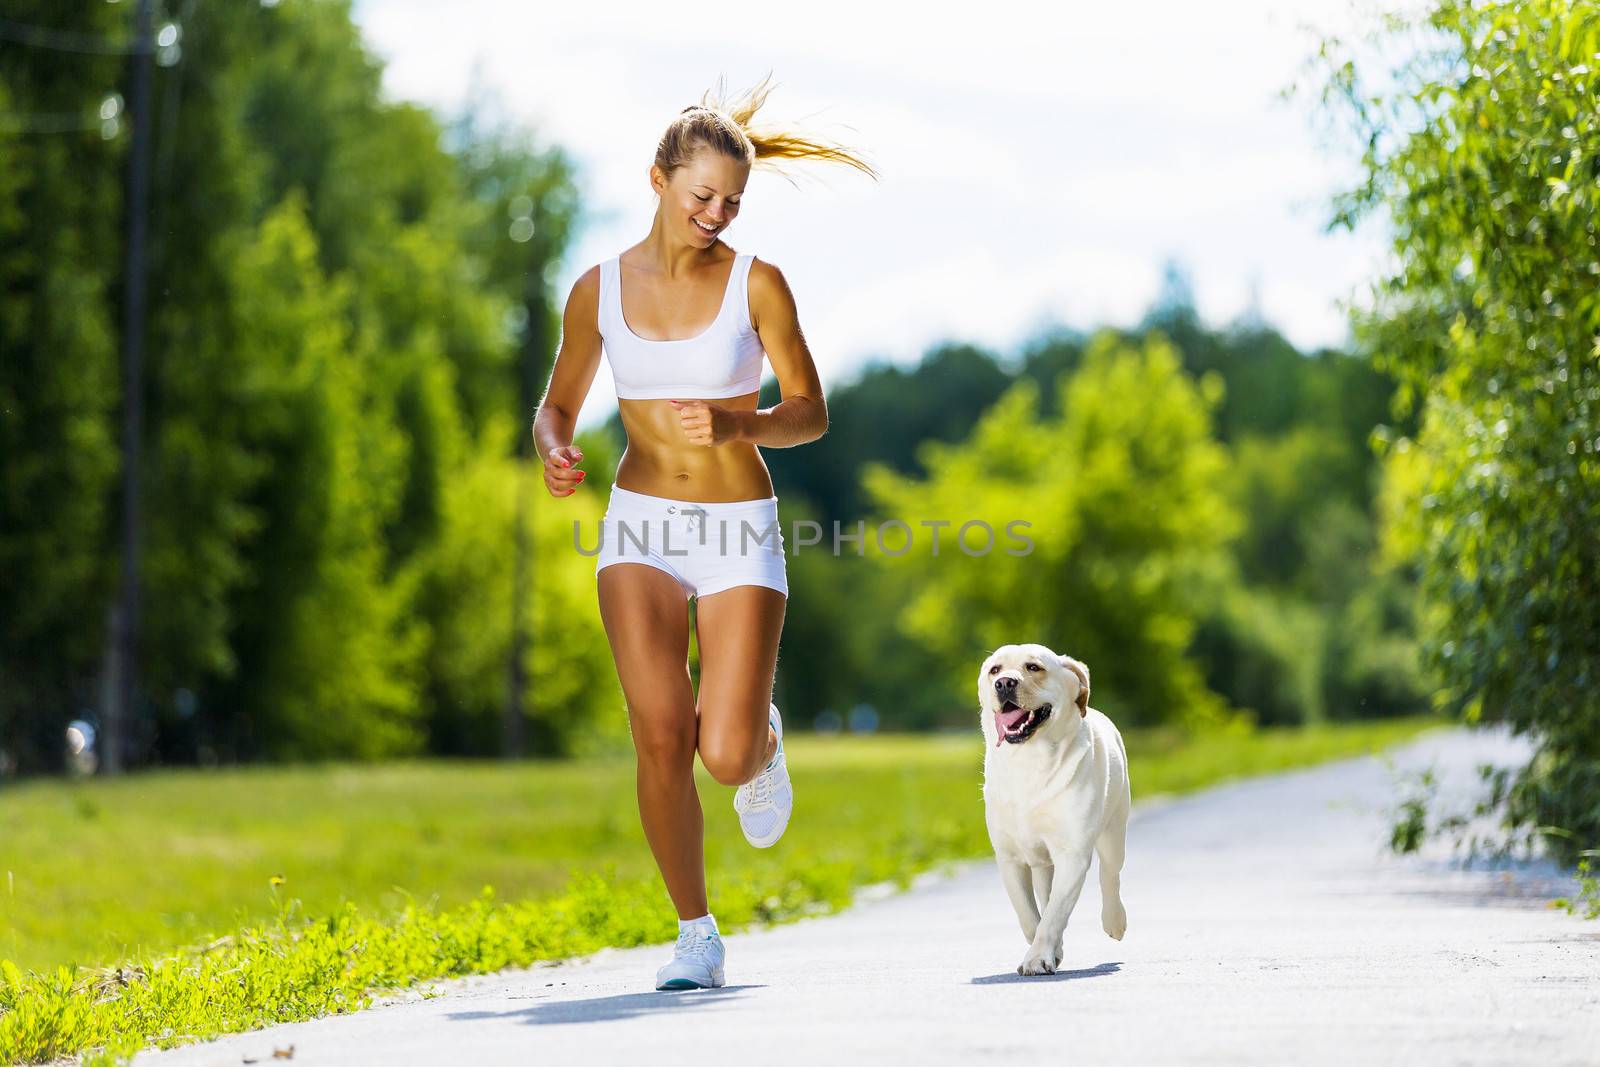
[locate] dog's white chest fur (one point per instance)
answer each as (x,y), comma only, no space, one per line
(1043,791)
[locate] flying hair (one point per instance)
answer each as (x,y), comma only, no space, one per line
(724,125)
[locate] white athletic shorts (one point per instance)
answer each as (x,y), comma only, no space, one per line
(708,546)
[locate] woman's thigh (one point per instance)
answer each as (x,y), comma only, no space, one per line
(738,632)
(646,617)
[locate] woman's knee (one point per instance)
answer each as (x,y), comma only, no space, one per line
(732,760)
(665,746)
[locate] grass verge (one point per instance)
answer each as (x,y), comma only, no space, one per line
(868,810)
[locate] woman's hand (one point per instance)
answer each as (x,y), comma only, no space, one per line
(706,424)
(561,474)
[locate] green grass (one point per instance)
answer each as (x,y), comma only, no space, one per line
(386,871)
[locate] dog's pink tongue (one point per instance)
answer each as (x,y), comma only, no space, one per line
(1005,720)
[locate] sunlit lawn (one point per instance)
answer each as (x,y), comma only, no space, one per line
(99,868)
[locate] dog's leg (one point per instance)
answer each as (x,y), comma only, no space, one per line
(1044,952)
(1042,877)
(1015,877)
(1112,849)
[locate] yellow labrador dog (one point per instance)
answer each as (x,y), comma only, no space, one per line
(1055,791)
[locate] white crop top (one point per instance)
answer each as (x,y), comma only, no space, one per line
(722,361)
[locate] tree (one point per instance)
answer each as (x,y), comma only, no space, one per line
(1481,150)
(60,268)
(884,415)
(333,340)
(1122,514)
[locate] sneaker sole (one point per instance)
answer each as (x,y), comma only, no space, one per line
(689,983)
(768,842)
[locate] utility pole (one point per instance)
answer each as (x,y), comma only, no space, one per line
(122,711)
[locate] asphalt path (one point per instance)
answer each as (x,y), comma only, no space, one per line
(1266,924)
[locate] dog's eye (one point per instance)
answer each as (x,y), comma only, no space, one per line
(995,668)
(1035,667)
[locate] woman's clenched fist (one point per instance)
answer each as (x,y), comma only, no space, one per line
(561,474)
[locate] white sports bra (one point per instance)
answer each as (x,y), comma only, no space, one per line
(722,361)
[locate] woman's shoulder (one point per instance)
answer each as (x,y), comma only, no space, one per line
(766,278)
(770,299)
(584,299)
(589,280)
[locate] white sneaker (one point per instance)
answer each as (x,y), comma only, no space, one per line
(765,801)
(696,960)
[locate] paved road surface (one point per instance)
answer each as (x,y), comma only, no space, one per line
(1266,926)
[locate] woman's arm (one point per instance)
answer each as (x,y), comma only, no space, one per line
(577,361)
(803,413)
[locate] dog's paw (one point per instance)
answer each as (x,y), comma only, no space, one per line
(1114,920)
(1039,963)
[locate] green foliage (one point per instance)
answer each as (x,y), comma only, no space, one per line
(60,259)
(523,203)
(1480,151)
(1290,486)
(1587,902)
(1265,652)
(1489,828)
(881,810)
(1371,665)
(334,668)
(1298,621)
(341,328)
(885,415)
(1119,498)
(576,701)
(352,315)
(1409,827)
(1314,626)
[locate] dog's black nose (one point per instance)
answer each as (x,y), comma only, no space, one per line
(1004,687)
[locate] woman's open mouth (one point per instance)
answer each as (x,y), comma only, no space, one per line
(704,228)
(1016,724)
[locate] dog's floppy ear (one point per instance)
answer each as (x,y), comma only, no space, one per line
(1081,669)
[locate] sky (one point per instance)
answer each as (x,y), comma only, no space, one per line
(1040,163)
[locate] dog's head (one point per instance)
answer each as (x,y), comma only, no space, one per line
(1023,689)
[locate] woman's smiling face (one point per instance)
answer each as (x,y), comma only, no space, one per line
(703,196)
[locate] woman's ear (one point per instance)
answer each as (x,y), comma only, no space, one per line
(1081,669)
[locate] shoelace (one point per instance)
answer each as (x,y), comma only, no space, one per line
(761,785)
(693,941)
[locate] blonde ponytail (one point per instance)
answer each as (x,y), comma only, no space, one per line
(724,125)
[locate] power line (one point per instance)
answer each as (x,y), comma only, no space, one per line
(71,41)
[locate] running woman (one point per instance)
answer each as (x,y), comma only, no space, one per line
(685,320)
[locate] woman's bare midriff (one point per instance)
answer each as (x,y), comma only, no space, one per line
(660,461)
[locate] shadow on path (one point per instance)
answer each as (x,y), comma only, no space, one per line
(1059,976)
(607,1009)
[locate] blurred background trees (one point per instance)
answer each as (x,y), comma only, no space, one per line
(349,300)
(352,317)
(1194,573)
